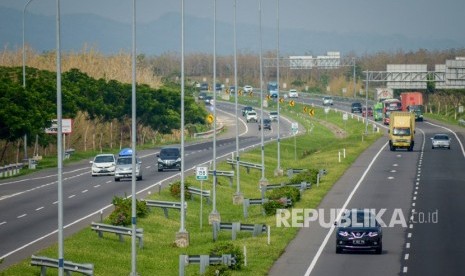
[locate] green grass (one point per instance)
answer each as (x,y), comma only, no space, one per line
(159,255)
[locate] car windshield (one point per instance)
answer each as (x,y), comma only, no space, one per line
(273,113)
(358,218)
(401,131)
(124,161)
(441,137)
(169,153)
(104,159)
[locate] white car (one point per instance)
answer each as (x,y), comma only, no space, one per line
(124,168)
(248,89)
(251,116)
(103,164)
(293,93)
(273,115)
(440,141)
(327,100)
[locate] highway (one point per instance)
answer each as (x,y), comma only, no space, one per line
(28,220)
(428,184)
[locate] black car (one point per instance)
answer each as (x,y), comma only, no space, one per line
(358,229)
(356,108)
(169,158)
(266,124)
(246,109)
(204,86)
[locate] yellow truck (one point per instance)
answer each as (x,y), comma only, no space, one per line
(401,130)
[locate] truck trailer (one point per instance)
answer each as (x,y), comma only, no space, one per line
(401,130)
(413,102)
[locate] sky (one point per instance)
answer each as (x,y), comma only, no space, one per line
(413,18)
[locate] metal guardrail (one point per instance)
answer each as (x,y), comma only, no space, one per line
(247,165)
(165,205)
(229,174)
(45,262)
(209,133)
(119,231)
(301,186)
(252,201)
(234,227)
(10,170)
(204,261)
(291,172)
(195,191)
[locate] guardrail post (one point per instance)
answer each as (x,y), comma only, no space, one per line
(236,226)
(182,264)
(245,207)
(204,262)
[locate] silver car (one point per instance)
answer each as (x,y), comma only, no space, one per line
(124,168)
(440,141)
(103,164)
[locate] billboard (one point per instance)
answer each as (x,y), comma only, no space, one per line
(66,126)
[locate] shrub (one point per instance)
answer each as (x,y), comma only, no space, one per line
(285,192)
(229,248)
(123,210)
(175,189)
(271,206)
(309,176)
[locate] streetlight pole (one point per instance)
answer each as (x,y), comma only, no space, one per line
(366,104)
(238,198)
(263,181)
(59,145)
(355,81)
(24,69)
(133,142)
(278,171)
(182,237)
(214,215)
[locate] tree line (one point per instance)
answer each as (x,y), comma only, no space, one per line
(28,111)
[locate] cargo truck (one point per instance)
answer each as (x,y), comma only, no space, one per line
(401,130)
(413,102)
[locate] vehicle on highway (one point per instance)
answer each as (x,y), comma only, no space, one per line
(356,107)
(204,86)
(327,100)
(248,88)
(169,158)
(251,116)
(357,230)
(246,109)
(266,124)
(274,115)
(401,130)
(440,141)
(232,89)
(208,100)
(370,111)
(202,96)
(124,165)
(103,164)
(293,93)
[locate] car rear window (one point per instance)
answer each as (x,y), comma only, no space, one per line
(169,152)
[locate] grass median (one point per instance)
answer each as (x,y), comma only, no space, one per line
(327,135)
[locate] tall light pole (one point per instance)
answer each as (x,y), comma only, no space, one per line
(214,215)
(24,69)
(133,145)
(263,181)
(59,145)
(278,171)
(182,237)
(238,198)
(355,81)
(366,105)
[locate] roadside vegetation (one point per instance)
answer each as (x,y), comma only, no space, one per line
(317,148)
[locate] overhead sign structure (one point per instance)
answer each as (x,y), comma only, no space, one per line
(66,126)
(201,173)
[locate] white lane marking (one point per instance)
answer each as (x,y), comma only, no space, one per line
(96,186)
(55,202)
(40,208)
(407,245)
(405,269)
(409,235)
(406,256)
(107,182)
(331,230)
(42,177)
(21,216)
(391,177)
(71,196)
(85,191)
(3,222)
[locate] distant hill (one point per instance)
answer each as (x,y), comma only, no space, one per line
(164,35)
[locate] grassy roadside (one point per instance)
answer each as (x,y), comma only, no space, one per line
(317,149)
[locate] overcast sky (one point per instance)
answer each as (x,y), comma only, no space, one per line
(413,18)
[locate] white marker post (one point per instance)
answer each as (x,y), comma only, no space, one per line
(201,173)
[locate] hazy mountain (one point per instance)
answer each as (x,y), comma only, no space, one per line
(164,35)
